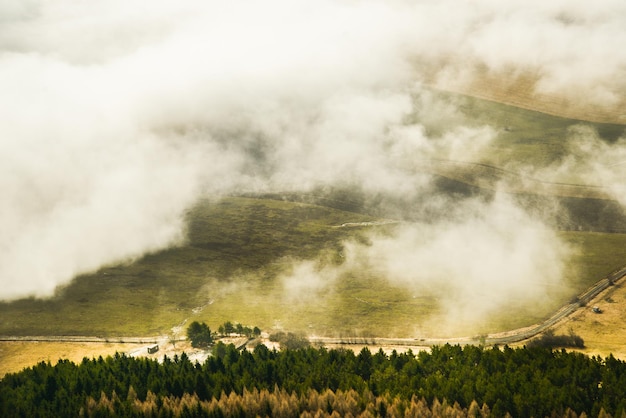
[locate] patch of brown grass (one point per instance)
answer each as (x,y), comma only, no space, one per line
(517,88)
(604,333)
(15,356)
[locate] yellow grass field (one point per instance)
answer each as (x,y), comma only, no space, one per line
(520,89)
(14,356)
(604,333)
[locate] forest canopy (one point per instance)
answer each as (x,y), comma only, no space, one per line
(473,381)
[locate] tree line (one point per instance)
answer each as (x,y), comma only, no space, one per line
(473,381)
(201,336)
(228,328)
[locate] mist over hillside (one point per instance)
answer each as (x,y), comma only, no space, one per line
(118,116)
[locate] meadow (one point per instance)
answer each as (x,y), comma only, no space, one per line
(238,247)
(229,270)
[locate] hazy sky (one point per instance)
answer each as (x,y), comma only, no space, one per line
(117,114)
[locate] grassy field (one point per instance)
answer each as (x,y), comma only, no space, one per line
(519,89)
(229,269)
(603,333)
(235,237)
(15,356)
(239,248)
(524,137)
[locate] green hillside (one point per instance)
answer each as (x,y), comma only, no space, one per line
(229,270)
(238,249)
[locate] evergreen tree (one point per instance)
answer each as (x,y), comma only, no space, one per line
(199,334)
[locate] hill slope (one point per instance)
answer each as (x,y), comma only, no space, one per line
(240,250)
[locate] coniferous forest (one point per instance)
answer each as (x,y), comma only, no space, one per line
(448,381)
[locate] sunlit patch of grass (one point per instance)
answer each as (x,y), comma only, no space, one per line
(598,254)
(15,355)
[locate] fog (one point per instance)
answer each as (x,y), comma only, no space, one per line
(591,161)
(489,258)
(118,115)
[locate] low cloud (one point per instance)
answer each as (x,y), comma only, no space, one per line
(482,260)
(308,280)
(591,160)
(118,115)
(494,256)
(477,263)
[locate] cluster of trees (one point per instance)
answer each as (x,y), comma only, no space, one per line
(279,403)
(290,340)
(474,381)
(228,328)
(550,339)
(199,334)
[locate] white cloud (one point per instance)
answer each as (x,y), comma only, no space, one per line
(117,114)
(591,161)
(475,266)
(307,280)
